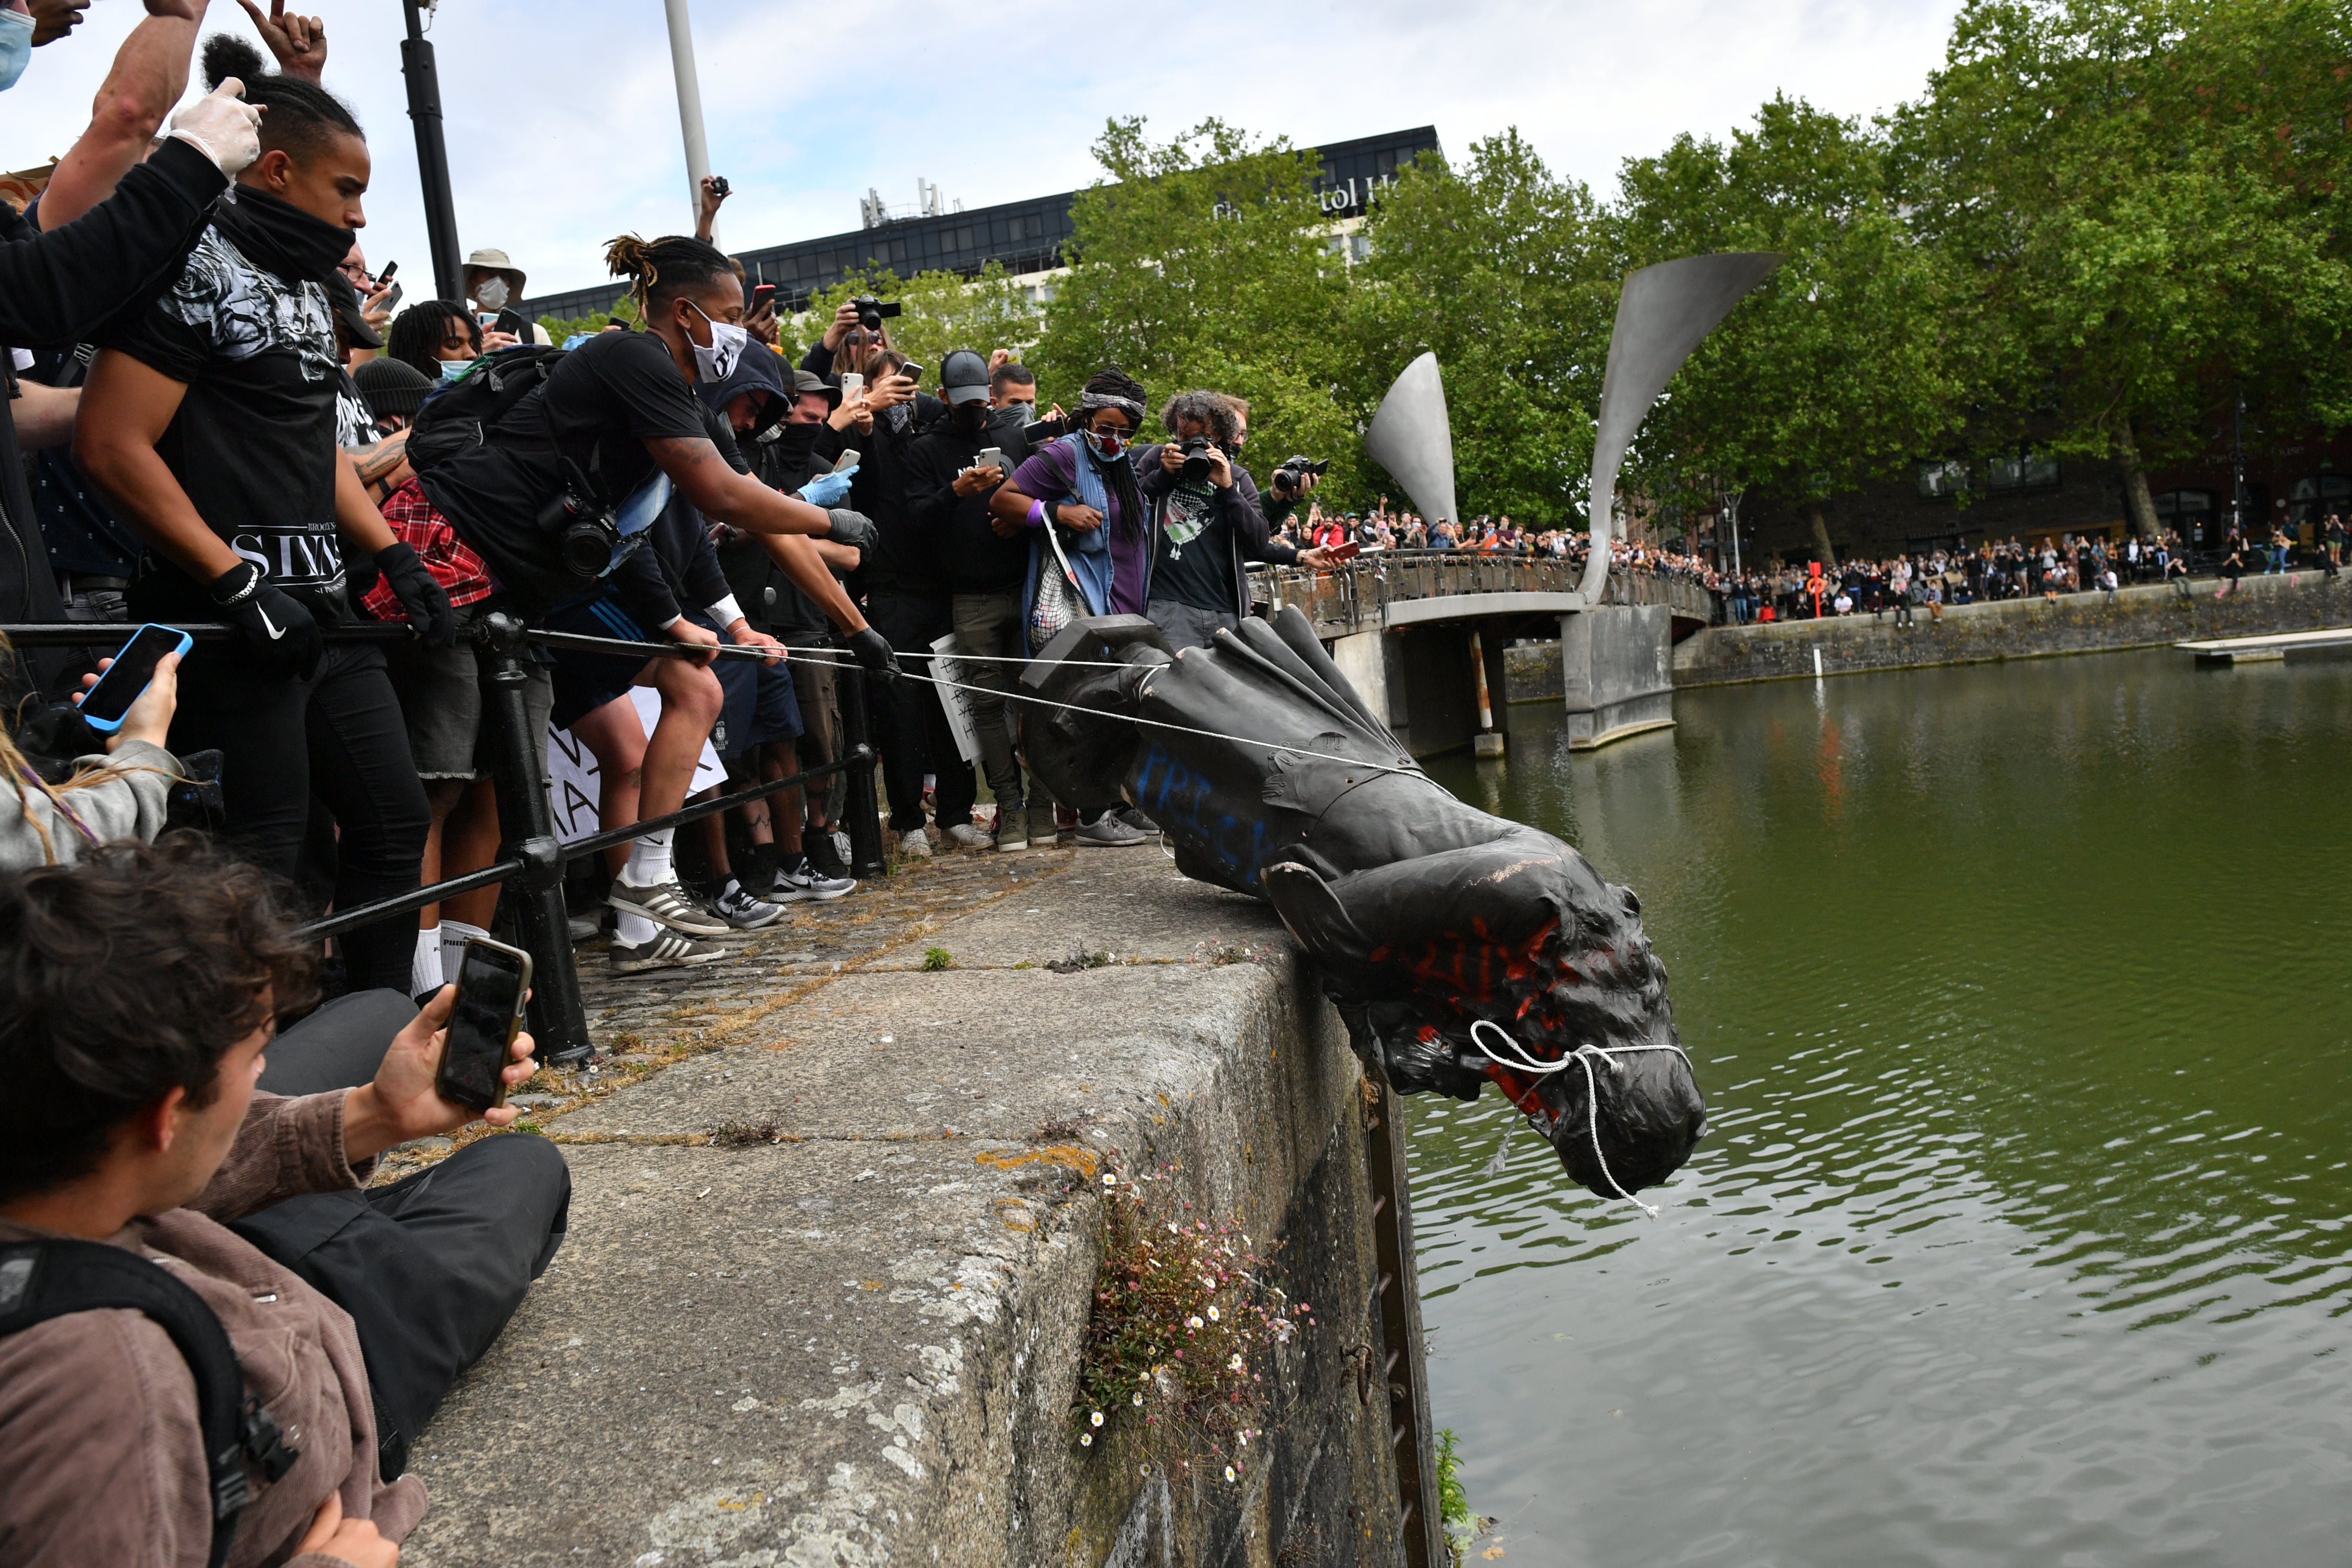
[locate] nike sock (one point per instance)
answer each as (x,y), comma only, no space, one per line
(632,929)
(425,968)
(648,861)
(455,935)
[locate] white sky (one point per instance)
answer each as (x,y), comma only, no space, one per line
(562,123)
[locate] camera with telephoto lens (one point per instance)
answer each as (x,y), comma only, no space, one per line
(871,313)
(1296,469)
(1196,458)
(587,528)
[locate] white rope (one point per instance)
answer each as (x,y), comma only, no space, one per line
(973,657)
(1413,771)
(1519,1061)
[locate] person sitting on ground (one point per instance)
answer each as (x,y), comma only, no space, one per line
(138,995)
(121,793)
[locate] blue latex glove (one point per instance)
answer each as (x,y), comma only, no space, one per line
(825,489)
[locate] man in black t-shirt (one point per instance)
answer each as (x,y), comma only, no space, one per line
(210,421)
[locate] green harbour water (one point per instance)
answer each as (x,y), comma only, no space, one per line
(2021,996)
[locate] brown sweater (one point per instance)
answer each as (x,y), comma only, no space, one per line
(99,1440)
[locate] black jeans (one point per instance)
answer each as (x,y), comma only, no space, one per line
(430,1267)
(909,726)
(340,733)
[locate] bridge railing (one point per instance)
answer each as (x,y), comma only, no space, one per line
(1353,596)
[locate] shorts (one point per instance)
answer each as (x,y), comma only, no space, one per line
(586,682)
(757,701)
(440,696)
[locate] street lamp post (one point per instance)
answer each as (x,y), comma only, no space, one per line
(690,108)
(432,153)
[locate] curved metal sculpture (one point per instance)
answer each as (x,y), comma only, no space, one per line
(1447,938)
(1413,439)
(1662,314)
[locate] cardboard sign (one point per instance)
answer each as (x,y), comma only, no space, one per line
(571,781)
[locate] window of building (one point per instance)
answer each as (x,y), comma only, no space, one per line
(2024,472)
(2195,515)
(2309,500)
(1942,482)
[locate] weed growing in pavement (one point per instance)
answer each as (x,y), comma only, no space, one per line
(936,959)
(1186,1322)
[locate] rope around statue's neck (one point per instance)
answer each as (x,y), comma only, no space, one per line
(1519,1061)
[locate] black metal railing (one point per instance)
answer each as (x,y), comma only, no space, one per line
(531,858)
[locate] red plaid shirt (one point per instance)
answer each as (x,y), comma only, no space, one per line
(453,566)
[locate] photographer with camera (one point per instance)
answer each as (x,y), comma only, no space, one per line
(210,422)
(154,1205)
(1210,520)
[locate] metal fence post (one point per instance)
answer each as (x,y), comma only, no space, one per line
(558,1020)
(863,810)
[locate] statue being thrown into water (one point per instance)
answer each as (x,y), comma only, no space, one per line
(1459,948)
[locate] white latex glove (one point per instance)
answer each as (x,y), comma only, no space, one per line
(223,127)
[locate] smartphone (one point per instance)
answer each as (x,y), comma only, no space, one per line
(493,979)
(851,384)
(761,294)
(510,320)
(912,371)
(1044,430)
(106,705)
(849,458)
(392,299)
(384,277)
(1347,552)
(990,457)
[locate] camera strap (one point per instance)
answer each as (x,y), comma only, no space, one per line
(52,1279)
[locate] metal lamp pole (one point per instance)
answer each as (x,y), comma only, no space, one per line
(689,108)
(432,154)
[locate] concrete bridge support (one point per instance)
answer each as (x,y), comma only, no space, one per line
(1617,672)
(1420,678)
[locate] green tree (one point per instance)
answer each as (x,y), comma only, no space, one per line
(1840,368)
(1504,272)
(2148,197)
(1206,262)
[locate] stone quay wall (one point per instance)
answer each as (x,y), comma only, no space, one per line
(2149,616)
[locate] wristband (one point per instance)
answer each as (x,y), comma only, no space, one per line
(726,612)
(1036,513)
(252,583)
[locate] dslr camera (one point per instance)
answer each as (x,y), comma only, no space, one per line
(1196,458)
(589,530)
(871,313)
(1296,469)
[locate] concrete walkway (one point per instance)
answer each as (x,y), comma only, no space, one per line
(832,1235)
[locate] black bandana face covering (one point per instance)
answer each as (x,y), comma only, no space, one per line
(282,237)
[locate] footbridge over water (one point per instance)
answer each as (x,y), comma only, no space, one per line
(1416,629)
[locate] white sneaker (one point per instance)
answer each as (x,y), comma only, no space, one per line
(1108,832)
(739,908)
(666,903)
(964,835)
(668,950)
(914,845)
(805,883)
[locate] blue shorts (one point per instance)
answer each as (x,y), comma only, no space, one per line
(586,682)
(759,704)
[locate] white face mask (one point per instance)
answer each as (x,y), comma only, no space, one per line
(717,362)
(492,294)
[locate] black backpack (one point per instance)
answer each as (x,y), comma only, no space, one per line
(45,1280)
(456,418)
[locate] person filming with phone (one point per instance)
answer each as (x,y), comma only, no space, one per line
(302,1327)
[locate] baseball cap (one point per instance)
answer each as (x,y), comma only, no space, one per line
(963,378)
(807,381)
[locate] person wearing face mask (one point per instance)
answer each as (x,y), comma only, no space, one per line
(209,420)
(947,501)
(56,288)
(439,339)
(493,284)
(589,455)
(1083,487)
(1207,528)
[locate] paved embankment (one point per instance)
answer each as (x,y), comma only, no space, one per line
(1970,634)
(835,1227)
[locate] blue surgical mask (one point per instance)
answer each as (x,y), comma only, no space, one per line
(455,369)
(15,46)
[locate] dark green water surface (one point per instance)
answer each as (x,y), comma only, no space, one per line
(2021,996)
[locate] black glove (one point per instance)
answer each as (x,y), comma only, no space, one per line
(272,622)
(873,650)
(425,600)
(854,529)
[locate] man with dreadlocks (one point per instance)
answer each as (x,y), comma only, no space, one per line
(1090,532)
(617,418)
